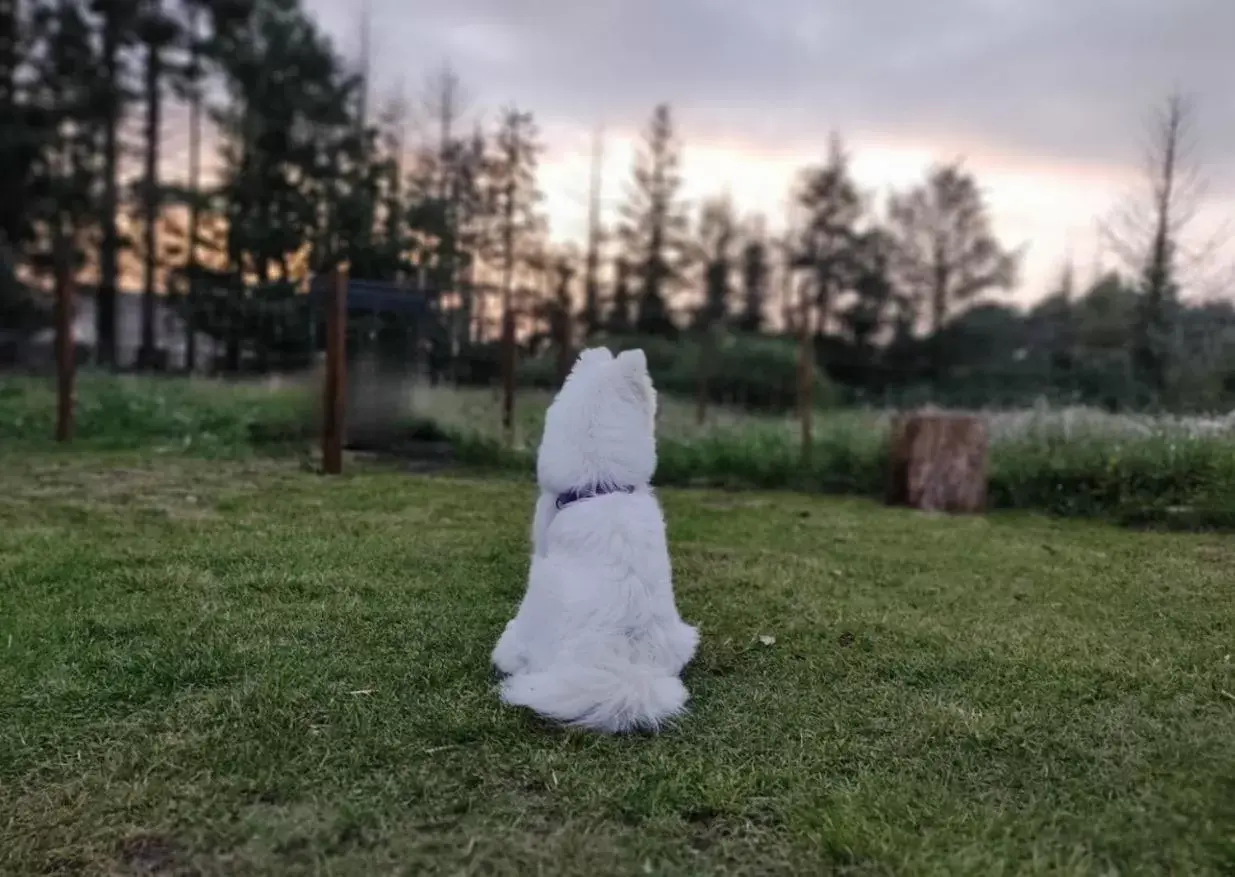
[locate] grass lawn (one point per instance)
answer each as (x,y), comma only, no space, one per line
(243,668)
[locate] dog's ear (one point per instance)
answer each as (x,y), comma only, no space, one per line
(593,355)
(633,362)
(633,366)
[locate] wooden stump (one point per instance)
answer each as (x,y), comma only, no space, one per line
(938,462)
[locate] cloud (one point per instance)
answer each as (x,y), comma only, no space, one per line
(1053,78)
(1029,90)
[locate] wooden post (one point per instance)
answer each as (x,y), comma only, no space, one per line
(509,366)
(701,387)
(334,405)
(66,350)
(805,376)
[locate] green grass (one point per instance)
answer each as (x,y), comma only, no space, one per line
(1176,473)
(1160,472)
(165,415)
(239,667)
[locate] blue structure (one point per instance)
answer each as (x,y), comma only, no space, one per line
(403,324)
(378,297)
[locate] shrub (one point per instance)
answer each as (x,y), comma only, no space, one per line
(756,373)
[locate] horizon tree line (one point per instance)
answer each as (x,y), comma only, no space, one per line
(311,176)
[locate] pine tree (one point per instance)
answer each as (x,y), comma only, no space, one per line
(292,152)
(188,80)
(66,172)
(718,234)
(25,128)
(516,198)
(591,316)
(157,31)
(866,310)
(562,317)
(117,20)
(655,225)
(290,145)
(756,274)
(825,245)
(619,322)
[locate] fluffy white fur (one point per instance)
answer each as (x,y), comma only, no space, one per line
(597,641)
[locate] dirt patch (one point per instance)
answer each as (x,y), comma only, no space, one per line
(153,855)
(417,457)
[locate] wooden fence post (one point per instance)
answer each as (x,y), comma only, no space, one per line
(703,377)
(509,364)
(66,350)
(334,407)
(806,371)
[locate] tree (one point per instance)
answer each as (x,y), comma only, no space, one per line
(517,197)
(1153,235)
(294,183)
(562,318)
(21,309)
(717,236)
(65,170)
(157,31)
(756,275)
(1105,318)
(24,129)
(1055,312)
(865,313)
(116,26)
(717,233)
(946,253)
(448,165)
(591,316)
(620,322)
(825,244)
(187,81)
(655,226)
(392,240)
(289,144)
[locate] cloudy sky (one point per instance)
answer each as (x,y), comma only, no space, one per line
(1045,100)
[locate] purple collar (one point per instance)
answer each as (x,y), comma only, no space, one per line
(580,493)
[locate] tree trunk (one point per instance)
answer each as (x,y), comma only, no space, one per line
(150,205)
(105,299)
(195,173)
(508,317)
(806,373)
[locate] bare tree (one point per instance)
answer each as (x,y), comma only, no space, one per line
(517,198)
(444,104)
(595,235)
(1153,233)
(832,209)
(946,253)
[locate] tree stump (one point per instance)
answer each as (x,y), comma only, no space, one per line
(938,462)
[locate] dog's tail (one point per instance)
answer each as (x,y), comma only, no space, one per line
(613,699)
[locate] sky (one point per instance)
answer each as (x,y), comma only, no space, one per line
(1046,101)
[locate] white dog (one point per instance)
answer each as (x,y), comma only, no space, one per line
(597,641)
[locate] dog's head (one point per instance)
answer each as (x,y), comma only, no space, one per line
(601,428)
